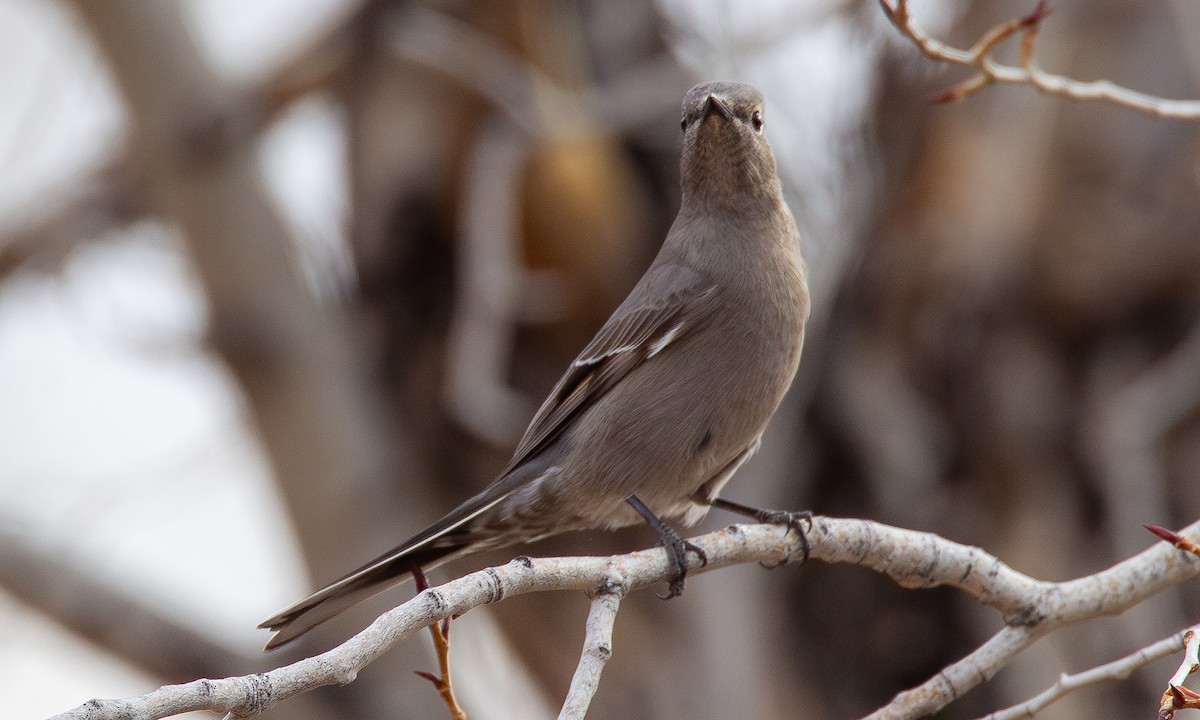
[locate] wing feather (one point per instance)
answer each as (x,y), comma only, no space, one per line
(669,301)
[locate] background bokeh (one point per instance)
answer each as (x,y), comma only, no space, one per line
(196,429)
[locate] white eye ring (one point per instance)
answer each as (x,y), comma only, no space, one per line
(757,121)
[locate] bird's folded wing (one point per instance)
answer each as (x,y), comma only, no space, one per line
(669,302)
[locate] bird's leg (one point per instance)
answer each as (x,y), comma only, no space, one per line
(794,520)
(677,548)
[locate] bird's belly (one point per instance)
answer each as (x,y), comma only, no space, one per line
(662,436)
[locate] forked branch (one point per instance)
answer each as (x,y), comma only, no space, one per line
(988,70)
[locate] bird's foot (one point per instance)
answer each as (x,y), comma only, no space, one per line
(677,548)
(790,519)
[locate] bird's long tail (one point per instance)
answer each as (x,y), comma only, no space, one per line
(446,539)
(369,580)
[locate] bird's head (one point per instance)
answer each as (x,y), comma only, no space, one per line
(726,156)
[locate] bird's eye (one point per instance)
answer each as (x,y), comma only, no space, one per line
(757,121)
(683,123)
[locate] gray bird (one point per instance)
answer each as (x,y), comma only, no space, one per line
(669,398)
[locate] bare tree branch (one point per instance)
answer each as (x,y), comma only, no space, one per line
(597,649)
(1031,608)
(1042,607)
(1115,670)
(1177,697)
(1026,72)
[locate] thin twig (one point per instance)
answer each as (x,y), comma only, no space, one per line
(445,686)
(1069,683)
(1191,657)
(1178,697)
(441,643)
(1026,72)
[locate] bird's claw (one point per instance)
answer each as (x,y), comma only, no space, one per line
(791,520)
(677,549)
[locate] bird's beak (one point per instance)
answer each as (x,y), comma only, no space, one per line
(714,105)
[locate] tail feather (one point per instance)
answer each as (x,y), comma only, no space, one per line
(444,540)
(330,601)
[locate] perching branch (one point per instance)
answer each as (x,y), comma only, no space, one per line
(988,70)
(1030,608)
